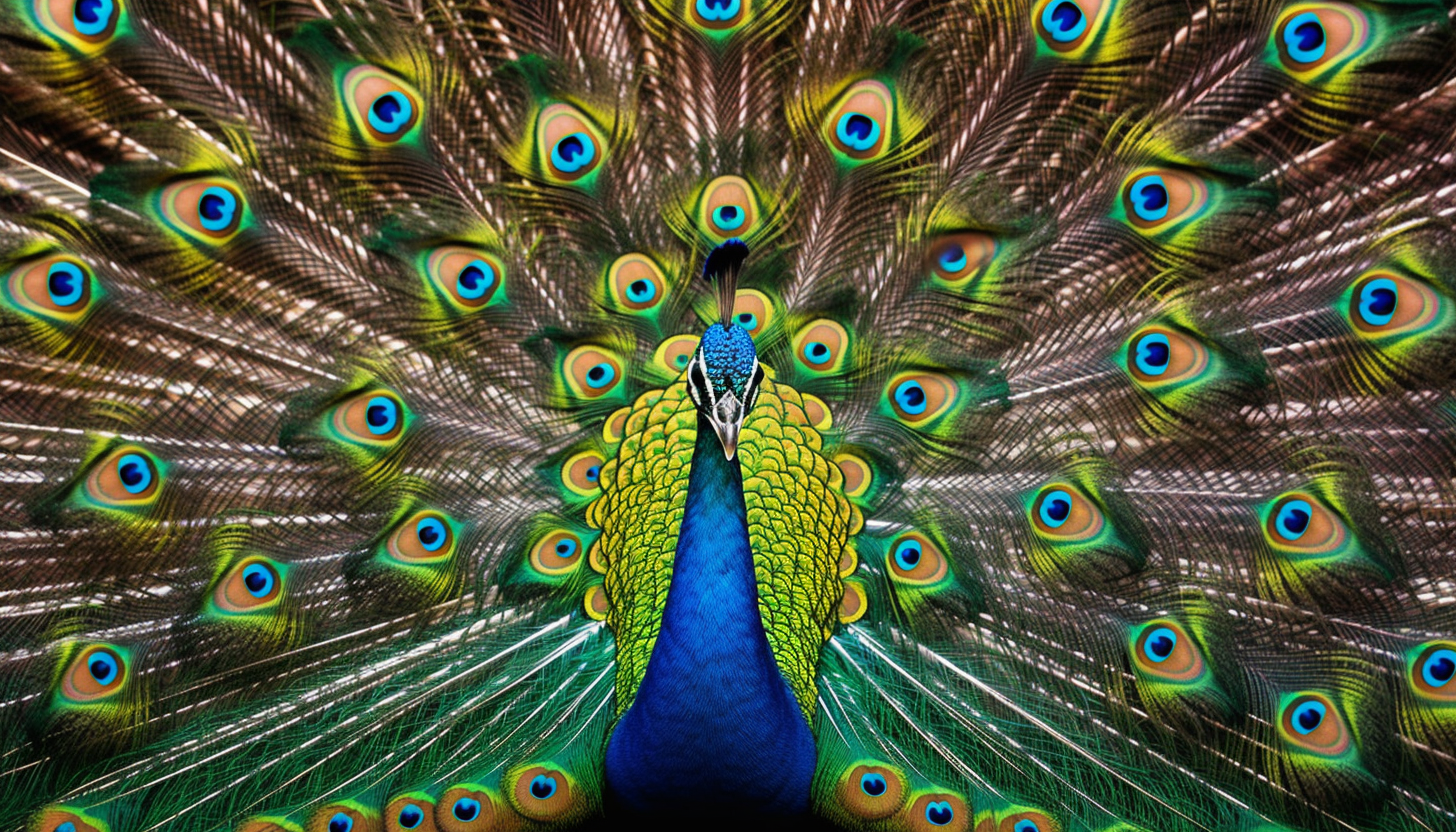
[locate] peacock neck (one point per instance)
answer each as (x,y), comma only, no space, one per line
(713,723)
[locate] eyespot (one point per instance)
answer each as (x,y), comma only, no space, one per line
(1162,650)
(858,475)
(728,208)
(920,397)
(635,283)
(859,125)
(1062,512)
(753,311)
(64,819)
(956,259)
(84,26)
(56,287)
(208,209)
(1065,26)
(1028,821)
(817,412)
(582,473)
(1313,38)
(425,537)
(96,672)
(1299,523)
(596,603)
(382,108)
(568,146)
(1432,669)
(127,477)
(591,372)
(1158,356)
(717,17)
(914,559)
(872,790)
(1155,200)
(466,278)
(465,808)
(340,817)
(252,584)
(822,346)
(853,604)
(673,354)
(373,418)
(1382,304)
(414,812)
(937,811)
(557,553)
(542,793)
(1311,722)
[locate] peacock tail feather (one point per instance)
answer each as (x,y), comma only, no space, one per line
(464,415)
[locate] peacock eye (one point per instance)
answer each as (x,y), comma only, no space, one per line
(1433,669)
(409,812)
(466,278)
(1065,26)
(728,208)
(582,473)
(1062,512)
(84,26)
(1311,722)
(558,552)
(96,672)
(1158,356)
(1300,523)
(1163,650)
(957,258)
(207,210)
(340,821)
(915,559)
(466,809)
(568,145)
(673,354)
(1027,821)
(919,397)
(872,790)
(592,372)
(858,475)
(753,311)
(1312,38)
(1384,304)
(717,14)
(635,283)
(252,584)
(424,537)
(859,124)
(822,346)
(933,811)
(542,793)
(128,477)
(55,287)
(465,804)
(382,108)
(374,418)
(1155,200)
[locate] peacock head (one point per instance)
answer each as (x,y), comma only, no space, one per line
(724,373)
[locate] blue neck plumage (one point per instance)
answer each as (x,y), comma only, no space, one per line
(714,723)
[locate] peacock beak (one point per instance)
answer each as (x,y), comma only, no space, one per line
(727,421)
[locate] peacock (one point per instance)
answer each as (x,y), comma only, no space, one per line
(981,415)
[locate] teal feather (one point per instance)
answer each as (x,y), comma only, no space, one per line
(1087,380)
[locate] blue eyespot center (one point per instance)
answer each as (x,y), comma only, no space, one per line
(718,10)
(258,579)
(857,131)
(391,112)
(475,280)
(1308,717)
(1056,507)
(216,208)
(952,258)
(910,396)
(939,812)
(466,809)
(1063,20)
(729,217)
(1293,519)
(1026,825)
(1378,301)
(66,827)
(411,816)
(908,554)
(135,473)
(873,784)
(431,533)
(543,786)
(1158,646)
(65,283)
(91,18)
(573,152)
(641,291)
(381,415)
(600,375)
(340,822)
(103,668)
(1304,38)
(1439,668)
(1149,197)
(595,472)
(817,352)
(566,547)
(747,320)
(1153,352)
